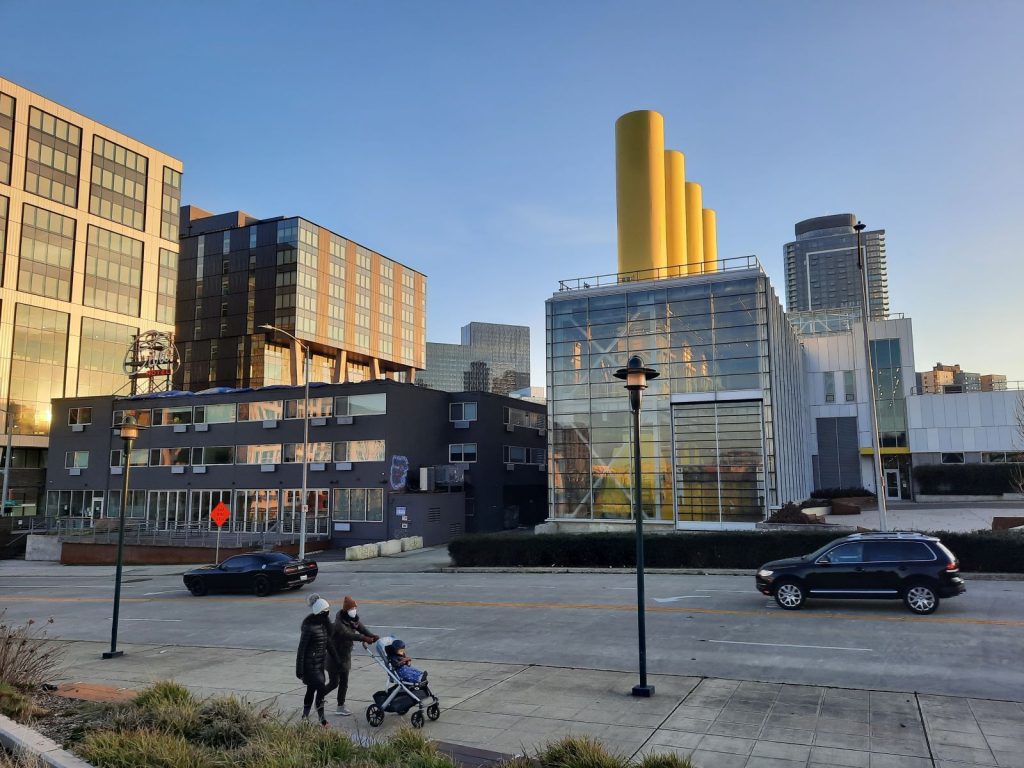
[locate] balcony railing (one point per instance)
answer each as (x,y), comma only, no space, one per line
(659,273)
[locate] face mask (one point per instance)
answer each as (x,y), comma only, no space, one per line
(352,613)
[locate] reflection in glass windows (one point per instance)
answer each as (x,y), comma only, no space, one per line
(170,205)
(113,271)
(52,157)
(359,450)
(358,505)
(167,286)
(118,184)
(4,204)
(47,253)
(38,361)
(101,357)
(261,410)
(361,405)
(889,394)
(6,136)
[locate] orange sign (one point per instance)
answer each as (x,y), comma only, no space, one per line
(220,514)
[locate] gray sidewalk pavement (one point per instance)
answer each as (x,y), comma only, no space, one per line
(515,708)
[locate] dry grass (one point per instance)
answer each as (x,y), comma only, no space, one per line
(28,658)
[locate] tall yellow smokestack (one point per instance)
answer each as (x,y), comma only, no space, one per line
(675,212)
(710,240)
(640,190)
(694,229)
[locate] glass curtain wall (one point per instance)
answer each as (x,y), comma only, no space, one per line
(703,337)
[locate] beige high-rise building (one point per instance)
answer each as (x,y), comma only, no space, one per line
(89,240)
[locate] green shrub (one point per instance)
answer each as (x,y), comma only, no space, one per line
(964,479)
(579,752)
(792,514)
(143,749)
(844,492)
(163,692)
(1000,551)
(668,760)
(15,704)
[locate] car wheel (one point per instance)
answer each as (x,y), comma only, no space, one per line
(790,595)
(261,586)
(374,715)
(921,599)
(197,586)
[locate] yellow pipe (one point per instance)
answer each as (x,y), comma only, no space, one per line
(710,222)
(640,190)
(694,229)
(675,212)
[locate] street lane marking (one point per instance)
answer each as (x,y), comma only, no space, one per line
(731,591)
(165,592)
(554,606)
(787,645)
(677,598)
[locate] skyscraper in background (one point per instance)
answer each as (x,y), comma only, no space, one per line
(491,358)
(821,267)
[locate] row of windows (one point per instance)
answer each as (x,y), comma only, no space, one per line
(353,451)
(849,386)
(263,410)
(988,457)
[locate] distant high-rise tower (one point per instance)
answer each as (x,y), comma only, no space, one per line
(491,358)
(821,266)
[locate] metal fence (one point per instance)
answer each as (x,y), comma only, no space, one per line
(139,532)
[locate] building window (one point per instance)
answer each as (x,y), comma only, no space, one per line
(113,272)
(4,205)
(118,184)
(319,453)
(80,416)
(223,413)
(361,405)
(101,357)
(952,458)
(52,159)
(462,453)
(140,457)
(262,410)
(462,412)
(136,504)
(213,455)
(170,205)
(47,253)
(167,286)
(517,417)
(28,458)
(514,454)
(358,505)
(359,450)
(267,453)
(850,386)
(166,417)
(143,417)
(38,364)
(76,459)
(1000,457)
(169,457)
(6,136)
(319,407)
(830,387)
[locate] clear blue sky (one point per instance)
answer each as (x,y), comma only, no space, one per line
(474,140)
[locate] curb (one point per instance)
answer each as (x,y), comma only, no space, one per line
(968,576)
(19,738)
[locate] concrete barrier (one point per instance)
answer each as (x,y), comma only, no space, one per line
(390,547)
(39,546)
(361,552)
(411,542)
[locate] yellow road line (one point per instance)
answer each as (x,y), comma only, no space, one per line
(805,614)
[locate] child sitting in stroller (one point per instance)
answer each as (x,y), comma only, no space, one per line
(402,664)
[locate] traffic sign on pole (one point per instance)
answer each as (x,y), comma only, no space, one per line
(220,514)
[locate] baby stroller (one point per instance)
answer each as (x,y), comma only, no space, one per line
(399,697)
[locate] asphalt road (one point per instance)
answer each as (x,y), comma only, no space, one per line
(717,626)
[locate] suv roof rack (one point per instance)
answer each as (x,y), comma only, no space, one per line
(890,534)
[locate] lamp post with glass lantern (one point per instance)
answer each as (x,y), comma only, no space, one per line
(636,376)
(305,436)
(128,430)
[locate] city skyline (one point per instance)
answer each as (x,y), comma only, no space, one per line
(456,151)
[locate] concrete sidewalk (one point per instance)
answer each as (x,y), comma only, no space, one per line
(514,708)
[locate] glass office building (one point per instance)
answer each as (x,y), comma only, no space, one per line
(491,358)
(722,438)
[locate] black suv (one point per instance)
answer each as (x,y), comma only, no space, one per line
(911,566)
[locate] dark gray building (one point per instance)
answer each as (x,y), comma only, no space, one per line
(491,358)
(821,267)
(367,444)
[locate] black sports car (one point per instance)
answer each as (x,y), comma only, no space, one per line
(258,572)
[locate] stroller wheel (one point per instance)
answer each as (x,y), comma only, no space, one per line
(417,719)
(434,711)
(374,715)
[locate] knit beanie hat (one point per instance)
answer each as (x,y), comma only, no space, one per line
(348,603)
(318,604)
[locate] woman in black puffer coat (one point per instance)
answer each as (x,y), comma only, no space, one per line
(314,645)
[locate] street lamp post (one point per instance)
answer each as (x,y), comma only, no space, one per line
(129,431)
(880,490)
(7,460)
(636,376)
(305,437)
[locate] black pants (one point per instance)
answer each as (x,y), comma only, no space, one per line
(316,691)
(338,677)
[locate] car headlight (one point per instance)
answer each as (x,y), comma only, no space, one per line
(764,573)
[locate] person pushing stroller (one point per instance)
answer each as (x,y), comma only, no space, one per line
(402,664)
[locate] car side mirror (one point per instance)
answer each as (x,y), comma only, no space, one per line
(823,561)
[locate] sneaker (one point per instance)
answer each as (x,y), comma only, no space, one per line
(342,710)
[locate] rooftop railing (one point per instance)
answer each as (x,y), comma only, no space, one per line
(732,264)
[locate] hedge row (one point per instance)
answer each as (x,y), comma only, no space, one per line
(992,551)
(966,479)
